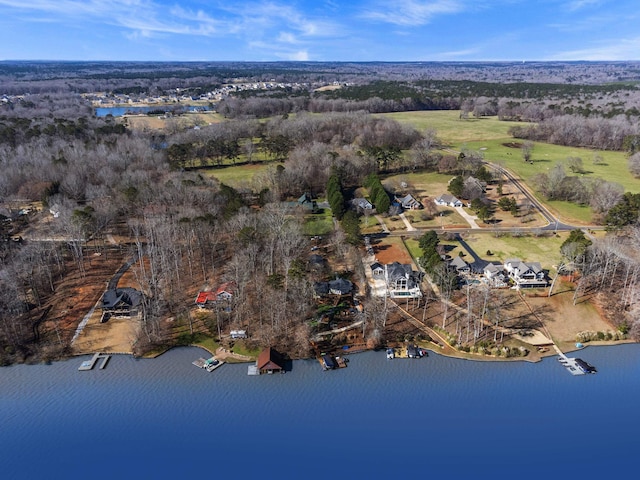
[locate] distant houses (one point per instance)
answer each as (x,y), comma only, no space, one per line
(340,286)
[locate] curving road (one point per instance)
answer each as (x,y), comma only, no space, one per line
(553,222)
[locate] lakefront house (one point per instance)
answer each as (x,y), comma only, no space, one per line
(402,281)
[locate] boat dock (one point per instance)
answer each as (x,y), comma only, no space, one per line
(208,364)
(89,364)
(330,362)
(575,366)
(409,351)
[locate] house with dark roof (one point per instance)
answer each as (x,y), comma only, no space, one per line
(402,281)
(124,302)
(270,361)
(317,262)
(321,289)
(340,286)
(377,269)
(308,203)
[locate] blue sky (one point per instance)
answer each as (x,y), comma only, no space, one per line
(320,30)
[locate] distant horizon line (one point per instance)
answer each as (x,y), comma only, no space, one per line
(312,61)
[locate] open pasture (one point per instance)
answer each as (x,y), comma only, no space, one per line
(452,130)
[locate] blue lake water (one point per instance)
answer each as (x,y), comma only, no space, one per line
(165,418)
(120,111)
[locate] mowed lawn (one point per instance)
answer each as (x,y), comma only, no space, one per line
(545,250)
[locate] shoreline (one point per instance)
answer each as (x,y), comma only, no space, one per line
(535,358)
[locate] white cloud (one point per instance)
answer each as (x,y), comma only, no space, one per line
(455,54)
(274,25)
(265,15)
(412,12)
(299,56)
(286,37)
(618,49)
(580,4)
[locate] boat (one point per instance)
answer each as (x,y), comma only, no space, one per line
(390,353)
(209,365)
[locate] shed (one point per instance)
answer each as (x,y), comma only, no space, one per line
(270,361)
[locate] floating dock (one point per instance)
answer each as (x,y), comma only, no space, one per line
(329,362)
(89,364)
(208,364)
(576,366)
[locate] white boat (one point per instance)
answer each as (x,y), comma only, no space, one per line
(390,353)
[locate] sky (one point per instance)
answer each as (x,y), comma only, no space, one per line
(319,30)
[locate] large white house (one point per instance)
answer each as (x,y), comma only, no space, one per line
(447,200)
(525,275)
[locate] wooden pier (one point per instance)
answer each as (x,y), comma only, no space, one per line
(89,364)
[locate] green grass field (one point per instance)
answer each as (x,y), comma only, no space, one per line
(319,223)
(490,136)
(452,130)
(545,250)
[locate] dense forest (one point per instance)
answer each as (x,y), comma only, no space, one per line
(97,177)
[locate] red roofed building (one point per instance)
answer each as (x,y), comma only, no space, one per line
(224,292)
(270,361)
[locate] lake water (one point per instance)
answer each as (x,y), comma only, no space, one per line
(378,418)
(120,111)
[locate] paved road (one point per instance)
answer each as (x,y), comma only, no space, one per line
(553,222)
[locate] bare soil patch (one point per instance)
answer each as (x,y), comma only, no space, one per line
(117,335)
(77,294)
(563,320)
(512,144)
(389,252)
